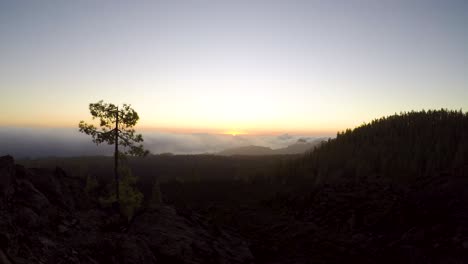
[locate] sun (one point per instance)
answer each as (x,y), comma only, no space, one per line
(234,132)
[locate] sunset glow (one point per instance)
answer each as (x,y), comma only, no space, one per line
(264,67)
(235,132)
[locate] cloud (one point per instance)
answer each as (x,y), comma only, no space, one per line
(302,140)
(45,142)
(284,137)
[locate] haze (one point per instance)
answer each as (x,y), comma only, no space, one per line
(67,142)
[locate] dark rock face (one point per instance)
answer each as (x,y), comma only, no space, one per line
(44,218)
(48,183)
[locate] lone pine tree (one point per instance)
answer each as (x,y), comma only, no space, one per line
(115,128)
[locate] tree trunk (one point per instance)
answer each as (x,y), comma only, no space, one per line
(116,157)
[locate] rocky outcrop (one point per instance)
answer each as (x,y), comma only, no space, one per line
(44,218)
(174,238)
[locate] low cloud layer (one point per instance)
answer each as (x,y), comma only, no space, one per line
(46,142)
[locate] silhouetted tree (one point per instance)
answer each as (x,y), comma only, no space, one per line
(115,128)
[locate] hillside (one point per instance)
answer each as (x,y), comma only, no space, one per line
(300,147)
(391,191)
(247,150)
(397,148)
(46,216)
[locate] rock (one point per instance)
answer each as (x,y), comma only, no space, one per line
(72,188)
(62,229)
(7,173)
(27,218)
(3,258)
(359,238)
(184,240)
(465,244)
(133,250)
(46,182)
(28,196)
(60,189)
(4,240)
(40,223)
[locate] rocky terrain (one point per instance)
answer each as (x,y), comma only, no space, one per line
(365,221)
(45,217)
(392,191)
(371,222)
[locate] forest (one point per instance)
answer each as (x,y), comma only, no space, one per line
(390,191)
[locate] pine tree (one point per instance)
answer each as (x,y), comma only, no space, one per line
(116,128)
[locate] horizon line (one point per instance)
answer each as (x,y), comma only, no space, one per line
(189,130)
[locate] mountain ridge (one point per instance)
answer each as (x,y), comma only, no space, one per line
(300,147)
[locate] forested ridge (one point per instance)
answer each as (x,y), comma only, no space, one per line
(399,147)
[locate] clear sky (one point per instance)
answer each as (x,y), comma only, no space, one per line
(248,66)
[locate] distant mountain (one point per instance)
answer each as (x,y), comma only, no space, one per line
(301,146)
(247,150)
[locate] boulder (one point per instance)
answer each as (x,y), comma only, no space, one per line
(46,181)
(28,196)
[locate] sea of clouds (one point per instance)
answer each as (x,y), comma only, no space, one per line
(50,142)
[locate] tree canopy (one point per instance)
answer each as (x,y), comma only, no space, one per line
(399,147)
(108,115)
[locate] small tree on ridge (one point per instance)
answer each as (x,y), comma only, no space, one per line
(115,128)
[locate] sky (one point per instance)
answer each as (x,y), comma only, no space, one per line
(245,66)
